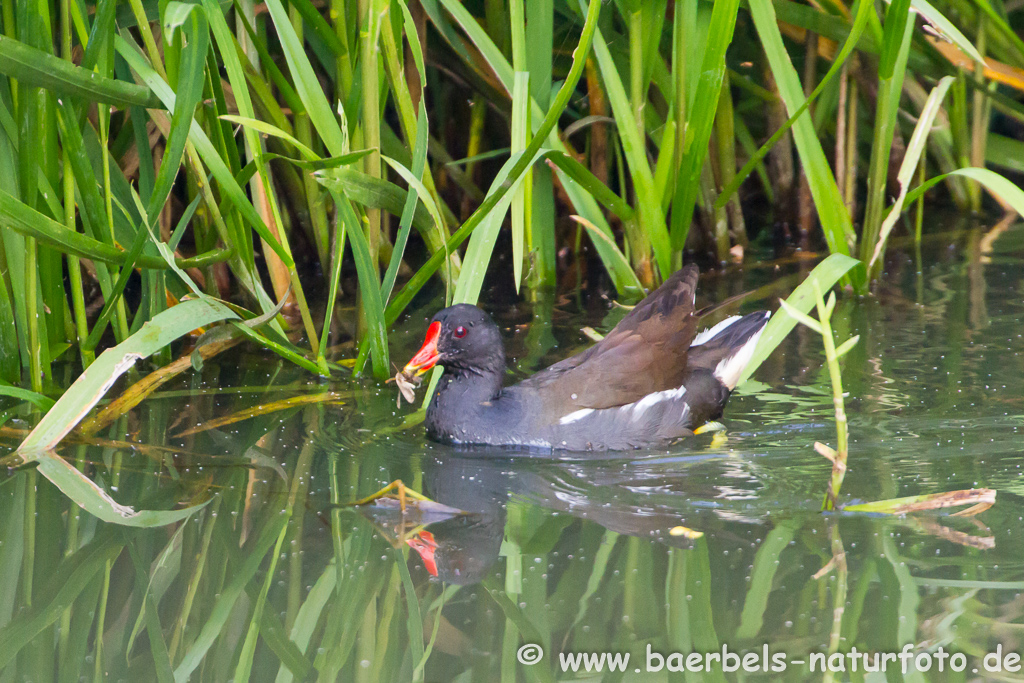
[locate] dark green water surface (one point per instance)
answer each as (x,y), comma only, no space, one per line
(272,580)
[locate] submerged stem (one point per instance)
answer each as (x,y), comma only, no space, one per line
(836,379)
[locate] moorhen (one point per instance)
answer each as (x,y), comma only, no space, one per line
(650,381)
(461,550)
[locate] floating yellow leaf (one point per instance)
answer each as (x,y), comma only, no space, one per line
(264,409)
(136,393)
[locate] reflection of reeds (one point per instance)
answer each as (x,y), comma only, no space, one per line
(253,587)
(842,575)
(136,163)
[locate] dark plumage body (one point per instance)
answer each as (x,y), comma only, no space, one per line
(651,380)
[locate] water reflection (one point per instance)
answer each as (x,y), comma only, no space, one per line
(275,578)
(462,548)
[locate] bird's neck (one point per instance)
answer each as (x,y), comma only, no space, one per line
(472,385)
(462,399)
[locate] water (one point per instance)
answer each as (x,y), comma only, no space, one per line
(273,580)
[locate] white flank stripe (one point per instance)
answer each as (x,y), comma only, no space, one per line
(649,400)
(574,416)
(710,333)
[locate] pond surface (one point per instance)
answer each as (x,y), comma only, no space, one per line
(275,579)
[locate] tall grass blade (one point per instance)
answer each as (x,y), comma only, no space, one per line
(701,117)
(165,568)
(522,201)
(369,287)
(403,298)
(248,652)
(417,186)
(306,83)
(582,202)
(864,11)
(228,596)
(653,232)
(602,240)
(306,621)
(151,616)
(891,72)
(210,156)
(762,578)
(34,67)
(481,244)
(911,161)
(540,16)
(990,180)
(36,399)
(27,221)
(520,196)
(69,579)
(374,193)
(590,183)
(835,220)
(419,162)
(191,72)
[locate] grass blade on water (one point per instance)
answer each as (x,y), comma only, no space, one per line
(88,389)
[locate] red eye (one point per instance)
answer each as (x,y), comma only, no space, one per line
(460,332)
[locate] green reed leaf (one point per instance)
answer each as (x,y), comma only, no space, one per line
(701,118)
(69,579)
(306,83)
(835,220)
(911,161)
(998,185)
(803,299)
(97,379)
(652,220)
(191,78)
(864,11)
(43,70)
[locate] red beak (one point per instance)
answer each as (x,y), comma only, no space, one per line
(424,544)
(427,356)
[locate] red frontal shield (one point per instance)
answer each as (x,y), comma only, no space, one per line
(424,544)
(427,356)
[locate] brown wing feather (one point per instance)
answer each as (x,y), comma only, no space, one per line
(644,353)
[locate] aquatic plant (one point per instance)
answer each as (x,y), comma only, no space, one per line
(838,455)
(159,157)
(241,140)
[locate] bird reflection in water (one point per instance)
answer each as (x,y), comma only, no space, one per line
(459,530)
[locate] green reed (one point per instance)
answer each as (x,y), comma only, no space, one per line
(823,327)
(152,154)
(274,579)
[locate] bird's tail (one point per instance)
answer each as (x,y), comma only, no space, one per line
(727,348)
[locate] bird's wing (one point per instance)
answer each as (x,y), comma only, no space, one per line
(643,354)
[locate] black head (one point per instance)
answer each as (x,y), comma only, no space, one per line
(461,338)
(463,549)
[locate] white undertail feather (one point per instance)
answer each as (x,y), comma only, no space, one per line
(712,332)
(727,371)
(730,368)
(577,415)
